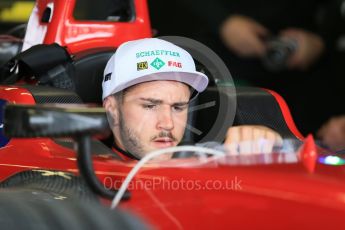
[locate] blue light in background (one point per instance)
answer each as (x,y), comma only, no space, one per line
(332,160)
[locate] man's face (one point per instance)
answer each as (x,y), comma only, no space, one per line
(150,116)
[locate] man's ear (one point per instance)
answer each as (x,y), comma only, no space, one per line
(112,109)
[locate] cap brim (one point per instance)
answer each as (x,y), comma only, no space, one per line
(196,80)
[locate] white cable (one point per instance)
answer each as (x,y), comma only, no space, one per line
(149,156)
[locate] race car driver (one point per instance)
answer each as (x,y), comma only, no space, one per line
(147,87)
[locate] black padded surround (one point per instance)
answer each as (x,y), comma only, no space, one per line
(46,94)
(255,106)
(89,75)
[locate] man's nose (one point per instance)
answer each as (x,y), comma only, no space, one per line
(165,120)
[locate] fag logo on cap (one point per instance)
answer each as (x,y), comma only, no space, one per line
(175,64)
(157,63)
(142,65)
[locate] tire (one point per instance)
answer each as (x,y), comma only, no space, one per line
(31,209)
(46,199)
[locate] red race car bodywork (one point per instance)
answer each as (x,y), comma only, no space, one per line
(78,36)
(187,193)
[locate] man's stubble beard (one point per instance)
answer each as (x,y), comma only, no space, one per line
(131,141)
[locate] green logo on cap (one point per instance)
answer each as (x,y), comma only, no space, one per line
(157,63)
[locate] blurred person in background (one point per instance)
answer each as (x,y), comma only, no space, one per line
(332,133)
(284,45)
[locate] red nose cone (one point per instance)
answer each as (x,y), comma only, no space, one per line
(308,153)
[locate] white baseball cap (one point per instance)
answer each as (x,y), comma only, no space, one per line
(150,59)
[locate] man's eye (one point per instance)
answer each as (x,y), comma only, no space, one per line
(149,106)
(179,108)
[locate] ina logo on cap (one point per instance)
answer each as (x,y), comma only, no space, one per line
(157,63)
